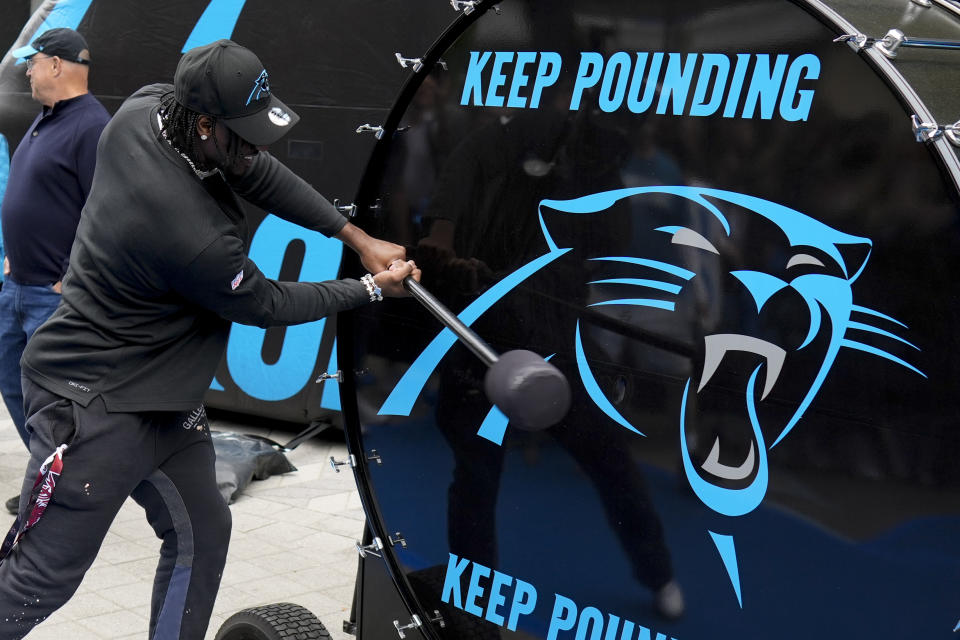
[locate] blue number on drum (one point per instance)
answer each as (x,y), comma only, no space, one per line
(298,356)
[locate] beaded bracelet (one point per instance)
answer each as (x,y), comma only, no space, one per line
(376,295)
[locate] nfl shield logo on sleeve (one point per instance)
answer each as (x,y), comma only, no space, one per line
(237,279)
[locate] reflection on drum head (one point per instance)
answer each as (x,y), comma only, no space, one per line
(719,225)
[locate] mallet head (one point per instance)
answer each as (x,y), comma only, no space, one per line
(530,391)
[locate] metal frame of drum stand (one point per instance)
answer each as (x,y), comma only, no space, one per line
(378,611)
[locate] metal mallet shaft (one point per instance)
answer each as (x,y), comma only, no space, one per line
(530,391)
(447,318)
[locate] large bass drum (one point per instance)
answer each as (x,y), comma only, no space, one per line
(734,227)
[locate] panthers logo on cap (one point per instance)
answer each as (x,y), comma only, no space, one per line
(261,87)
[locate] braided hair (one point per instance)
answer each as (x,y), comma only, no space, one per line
(179,126)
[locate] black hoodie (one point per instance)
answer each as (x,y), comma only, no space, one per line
(159,270)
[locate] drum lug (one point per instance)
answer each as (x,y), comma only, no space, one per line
(926,131)
(336,376)
(859,40)
(370,549)
(467,6)
(416,63)
(374,210)
(437,619)
(397,539)
(376,131)
(336,464)
(887,45)
(891,42)
(374,456)
(415,623)
(952,133)
(349,210)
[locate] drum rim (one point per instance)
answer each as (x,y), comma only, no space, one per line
(345,320)
(947,157)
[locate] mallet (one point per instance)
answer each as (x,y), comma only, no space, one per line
(530,391)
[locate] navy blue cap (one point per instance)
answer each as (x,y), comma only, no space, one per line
(61,42)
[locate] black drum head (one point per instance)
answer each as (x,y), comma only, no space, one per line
(717,223)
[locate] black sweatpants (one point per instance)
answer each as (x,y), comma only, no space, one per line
(165,461)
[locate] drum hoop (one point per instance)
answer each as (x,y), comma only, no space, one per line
(900,84)
(945,4)
(424,619)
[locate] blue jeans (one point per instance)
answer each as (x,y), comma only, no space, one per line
(23,308)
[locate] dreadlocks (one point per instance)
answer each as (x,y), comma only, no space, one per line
(179,126)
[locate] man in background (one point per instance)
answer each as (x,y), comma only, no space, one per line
(50,176)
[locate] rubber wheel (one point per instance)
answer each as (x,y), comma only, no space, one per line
(281,621)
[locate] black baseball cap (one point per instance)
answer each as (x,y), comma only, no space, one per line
(61,42)
(228,82)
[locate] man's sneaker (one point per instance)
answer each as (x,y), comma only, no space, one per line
(13,505)
(668,601)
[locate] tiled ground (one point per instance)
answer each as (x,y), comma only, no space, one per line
(293,541)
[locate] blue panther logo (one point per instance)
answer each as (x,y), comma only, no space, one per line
(261,87)
(826,262)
